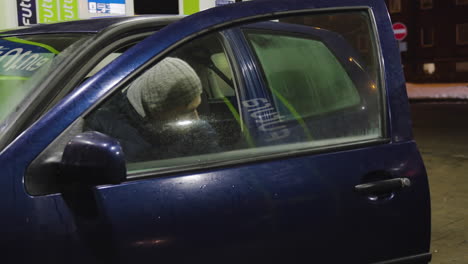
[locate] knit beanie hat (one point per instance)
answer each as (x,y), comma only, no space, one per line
(169,84)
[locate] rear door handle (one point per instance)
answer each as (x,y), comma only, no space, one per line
(383,187)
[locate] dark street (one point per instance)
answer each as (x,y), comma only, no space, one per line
(441,131)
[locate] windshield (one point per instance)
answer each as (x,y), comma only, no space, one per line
(24,62)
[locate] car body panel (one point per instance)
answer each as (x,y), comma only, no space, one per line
(267,210)
(260,213)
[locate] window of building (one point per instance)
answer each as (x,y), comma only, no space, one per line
(394,6)
(427,37)
(429,68)
(461,66)
(461,2)
(462,34)
(426,4)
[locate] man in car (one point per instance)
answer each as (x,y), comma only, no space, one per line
(156,117)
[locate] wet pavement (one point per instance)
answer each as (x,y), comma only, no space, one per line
(441,132)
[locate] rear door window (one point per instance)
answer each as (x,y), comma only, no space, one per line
(304,76)
(321,89)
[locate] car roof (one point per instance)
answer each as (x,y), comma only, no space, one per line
(94,25)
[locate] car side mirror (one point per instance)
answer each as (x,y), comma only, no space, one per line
(92,158)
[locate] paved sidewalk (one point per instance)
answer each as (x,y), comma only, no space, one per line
(437,91)
(441,132)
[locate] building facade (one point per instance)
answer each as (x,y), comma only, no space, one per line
(436,46)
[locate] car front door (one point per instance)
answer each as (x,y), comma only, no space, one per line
(292,160)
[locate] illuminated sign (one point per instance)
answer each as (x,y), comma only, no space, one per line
(26,12)
(57,10)
(106,7)
(224,2)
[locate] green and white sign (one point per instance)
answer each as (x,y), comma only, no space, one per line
(57,10)
(188,7)
(191,6)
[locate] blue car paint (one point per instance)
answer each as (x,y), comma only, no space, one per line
(100,155)
(211,214)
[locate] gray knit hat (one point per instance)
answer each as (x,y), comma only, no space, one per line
(169,84)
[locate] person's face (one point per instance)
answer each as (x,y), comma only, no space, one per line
(181,113)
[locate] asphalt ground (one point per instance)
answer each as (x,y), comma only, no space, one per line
(441,132)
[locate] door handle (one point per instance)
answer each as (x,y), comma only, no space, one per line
(382,187)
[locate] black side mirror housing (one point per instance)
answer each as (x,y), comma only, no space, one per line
(92,158)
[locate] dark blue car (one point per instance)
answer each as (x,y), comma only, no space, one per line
(259,132)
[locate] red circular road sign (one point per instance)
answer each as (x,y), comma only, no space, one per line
(400,31)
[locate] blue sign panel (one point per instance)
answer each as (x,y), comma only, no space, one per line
(26,12)
(107,6)
(224,2)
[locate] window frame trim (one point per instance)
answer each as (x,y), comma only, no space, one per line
(236,75)
(151,173)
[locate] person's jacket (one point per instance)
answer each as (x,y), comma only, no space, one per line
(143,141)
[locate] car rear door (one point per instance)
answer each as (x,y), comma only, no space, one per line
(283,185)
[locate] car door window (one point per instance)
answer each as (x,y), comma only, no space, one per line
(195,107)
(318,94)
(183,106)
(180,111)
(321,88)
(309,77)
